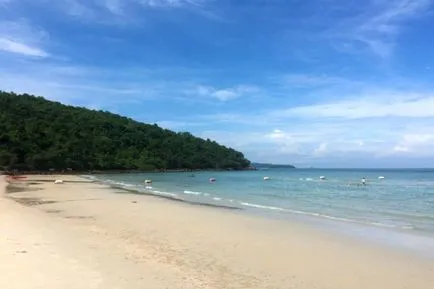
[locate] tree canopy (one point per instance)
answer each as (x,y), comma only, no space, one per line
(37,134)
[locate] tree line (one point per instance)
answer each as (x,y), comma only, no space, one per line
(37,134)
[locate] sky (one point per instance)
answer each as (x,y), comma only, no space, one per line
(322,83)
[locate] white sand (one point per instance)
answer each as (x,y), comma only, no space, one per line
(91,237)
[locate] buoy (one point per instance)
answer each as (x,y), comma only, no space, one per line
(58,182)
(266,178)
(148,182)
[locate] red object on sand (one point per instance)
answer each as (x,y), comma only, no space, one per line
(17,177)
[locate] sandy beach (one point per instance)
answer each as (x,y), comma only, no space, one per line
(81,234)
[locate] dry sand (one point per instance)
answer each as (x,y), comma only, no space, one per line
(86,235)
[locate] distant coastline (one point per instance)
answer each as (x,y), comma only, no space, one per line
(273,166)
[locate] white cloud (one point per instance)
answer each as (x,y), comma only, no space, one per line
(277,134)
(368,141)
(393,105)
(414,143)
(416,139)
(4,2)
(313,81)
(118,11)
(321,149)
(171,3)
(359,122)
(78,85)
(225,94)
(21,38)
(380,23)
(75,84)
(76,8)
(400,149)
(114,6)
(21,48)
(178,125)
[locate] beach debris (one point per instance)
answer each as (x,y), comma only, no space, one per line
(267,178)
(134,202)
(148,181)
(58,182)
(322,177)
(17,177)
(22,252)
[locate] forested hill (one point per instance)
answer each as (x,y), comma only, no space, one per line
(37,134)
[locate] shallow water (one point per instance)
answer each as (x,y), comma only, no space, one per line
(401,202)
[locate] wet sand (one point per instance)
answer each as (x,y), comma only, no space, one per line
(86,235)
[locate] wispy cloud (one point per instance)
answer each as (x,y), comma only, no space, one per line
(172,3)
(314,80)
(114,6)
(347,143)
(68,82)
(179,125)
(113,11)
(4,2)
(380,106)
(414,143)
(76,8)
(21,38)
(79,85)
(379,24)
(20,48)
(225,94)
(373,125)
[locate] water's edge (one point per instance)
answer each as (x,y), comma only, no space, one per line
(404,237)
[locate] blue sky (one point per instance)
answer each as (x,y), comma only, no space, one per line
(325,83)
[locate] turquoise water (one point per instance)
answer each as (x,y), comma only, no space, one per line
(401,202)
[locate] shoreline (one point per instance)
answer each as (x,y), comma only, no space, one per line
(195,247)
(415,242)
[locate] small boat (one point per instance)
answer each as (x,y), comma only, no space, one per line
(148,181)
(212,180)
(380,177)
(322,178)
(267,178)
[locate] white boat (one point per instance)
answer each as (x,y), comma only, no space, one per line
(322,178)
(381,177)
(266,178)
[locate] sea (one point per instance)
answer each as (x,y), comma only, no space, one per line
(393,207)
